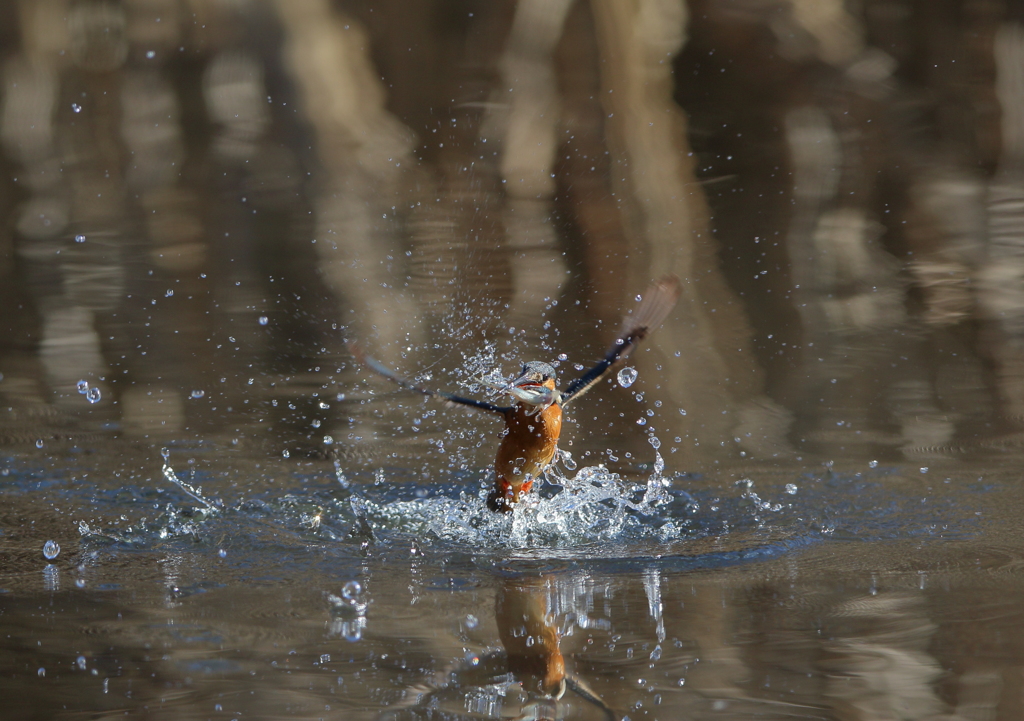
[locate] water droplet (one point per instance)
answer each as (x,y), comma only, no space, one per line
(471,621)
(286,454)
(682,411)
(924,469)
(39,443)
(79,583)
(325,658)
(627,377)
(218,707)
(641,421)
(93,395)
(83,387)
(654,441)
(51,549)
(76,107)
(80,663)
(316,423)
(351,590)
(150,54)
(79,238)
(197,394)
(41,671)
(563,357)
(791,489)
(222,553)
(264,320)
(324,406)
(328,441)
(872,464)
(168,293)
(165,453)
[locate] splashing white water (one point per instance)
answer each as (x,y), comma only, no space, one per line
(594,505)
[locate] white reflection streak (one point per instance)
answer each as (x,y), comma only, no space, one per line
(652,587)
(815,156)
(1002,280)
(236,98)
(70,349)
(27,133)
(151,129)
(362,150)
(529,142)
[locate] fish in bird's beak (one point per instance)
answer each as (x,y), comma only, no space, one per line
(528,390)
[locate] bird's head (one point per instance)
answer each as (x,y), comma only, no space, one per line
(535,373)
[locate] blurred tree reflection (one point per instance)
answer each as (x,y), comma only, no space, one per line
(203,198)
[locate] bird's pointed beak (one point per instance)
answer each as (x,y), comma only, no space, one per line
(525,381)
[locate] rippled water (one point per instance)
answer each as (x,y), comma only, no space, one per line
(212,585)
(801,499)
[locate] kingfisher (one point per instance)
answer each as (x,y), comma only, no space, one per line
(533,423)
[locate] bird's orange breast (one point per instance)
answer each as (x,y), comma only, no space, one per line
(526,450)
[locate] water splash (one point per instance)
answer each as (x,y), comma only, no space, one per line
(194,492)
(627,377)
(591,507)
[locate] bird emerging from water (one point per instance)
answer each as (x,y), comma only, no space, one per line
(533,423)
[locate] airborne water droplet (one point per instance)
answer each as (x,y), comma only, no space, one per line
(39,443)
(93,395)
(286,454)
(83,387)
(79,238)
(351,590)
(264,320)
(627,377)
(197,394)
(51,549)
(791,489)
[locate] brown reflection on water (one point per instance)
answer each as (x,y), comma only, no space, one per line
(201,200)
(212,197)
(183,635)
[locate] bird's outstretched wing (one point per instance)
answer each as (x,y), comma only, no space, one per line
(656,304)
(381,369)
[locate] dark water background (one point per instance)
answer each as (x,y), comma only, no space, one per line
(807,505)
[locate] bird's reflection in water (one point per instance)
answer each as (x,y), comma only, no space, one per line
(527,679)
(530,636)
